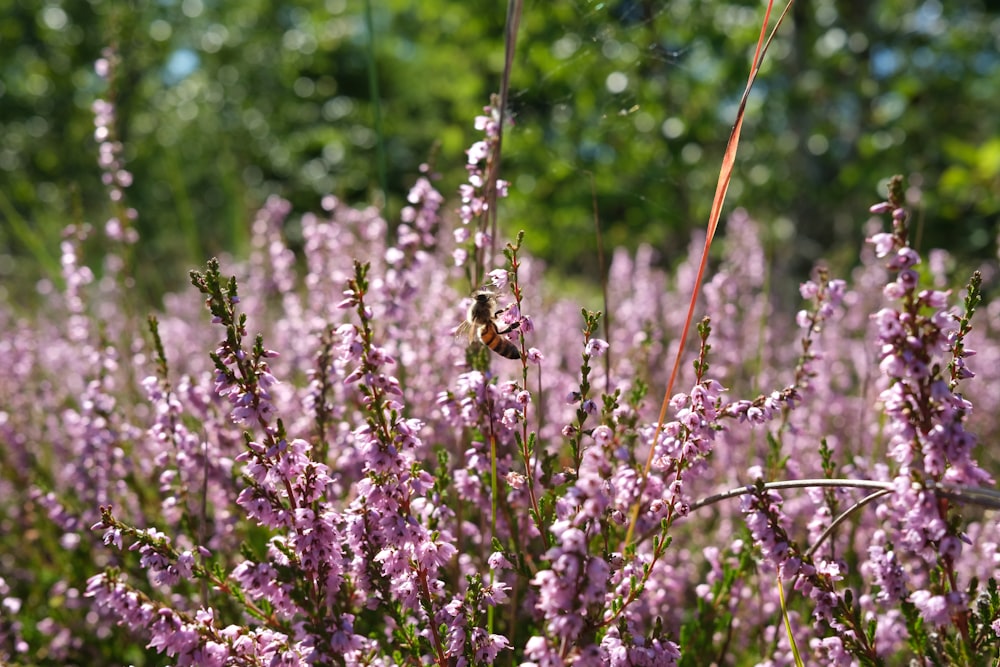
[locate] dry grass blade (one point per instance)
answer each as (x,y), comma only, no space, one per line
(725,175)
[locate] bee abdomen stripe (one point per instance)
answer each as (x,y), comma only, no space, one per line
(498,344)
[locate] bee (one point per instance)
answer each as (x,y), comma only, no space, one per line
(481,323)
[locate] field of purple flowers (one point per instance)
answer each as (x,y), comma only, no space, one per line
(296,462)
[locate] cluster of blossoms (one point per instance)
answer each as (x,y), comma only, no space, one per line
(922,355)
(114,175)
(479,194)
(913,552)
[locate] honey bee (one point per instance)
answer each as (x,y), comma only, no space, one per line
(481,323)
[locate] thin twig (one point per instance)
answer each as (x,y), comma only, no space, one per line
(871,497)
(792,484)
(988,498)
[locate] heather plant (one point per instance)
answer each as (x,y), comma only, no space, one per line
(295,462)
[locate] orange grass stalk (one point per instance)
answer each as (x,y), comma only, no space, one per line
(725,174)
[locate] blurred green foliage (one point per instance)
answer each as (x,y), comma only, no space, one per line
(626,102)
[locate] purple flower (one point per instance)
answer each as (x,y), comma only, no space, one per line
(595,347)
(883,243)
(933,608)
(499,278)
(497,561)
(478,152)
(602,435)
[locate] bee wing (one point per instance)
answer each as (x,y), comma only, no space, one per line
(466,330)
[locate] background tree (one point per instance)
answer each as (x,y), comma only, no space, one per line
(222,104)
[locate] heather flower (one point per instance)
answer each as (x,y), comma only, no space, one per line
(572,589)
(926,419)
(887,573)
(595,347)
(832,651)
(602,435)
(934,608)
(499,279)
(365,497)
(656,652)
(478,195)
(115,177)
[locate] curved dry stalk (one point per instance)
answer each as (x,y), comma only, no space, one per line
(843,517)
(793,484)
(969,495)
